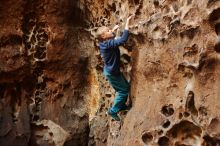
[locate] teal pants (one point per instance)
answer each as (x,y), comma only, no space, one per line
(122,87)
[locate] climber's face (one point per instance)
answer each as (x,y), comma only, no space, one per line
(107,33)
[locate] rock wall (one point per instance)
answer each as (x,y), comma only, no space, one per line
(172,60)
(53,92)
(44,73)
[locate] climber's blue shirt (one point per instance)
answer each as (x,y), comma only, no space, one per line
(111,53)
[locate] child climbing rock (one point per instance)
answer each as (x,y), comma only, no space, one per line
(111,56)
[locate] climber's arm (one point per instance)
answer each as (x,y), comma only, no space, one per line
(121,40)
(127,22)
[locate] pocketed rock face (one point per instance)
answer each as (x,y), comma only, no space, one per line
(174,69)
(174,74)
(44,73)
(53,92)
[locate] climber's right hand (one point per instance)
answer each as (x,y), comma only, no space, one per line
(127,22)
(129,18)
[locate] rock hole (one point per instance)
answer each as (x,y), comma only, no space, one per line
(136,2)
(37,72)
(167,110)
(156,28)
(103,22)
(147,138)
(189,2)
(174,24)
(190,104)
(42,44)
(185,132)
(58,95)
(160,132)
(37,92)
(50,133)
(98,68)
(180,115)
(126,57)
(39,55)
(140,5)
(217,30)
(113,7)
(203,111)
(27,45)
(190,33)
(190,51)
(108,95)
(181,67)
(211,141)
(38,100)
(14,118)
(156,3)
(136,14)
(66,84)
(33,40)
(41,49)
(41,86)
(217,47)
(37,108)
(35,31)
(164,141)
(186,114)
(166,124)
(43,37)
(10,39)
(2,91)
(36,117)
(214,16)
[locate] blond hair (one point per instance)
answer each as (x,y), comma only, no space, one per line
(100,32)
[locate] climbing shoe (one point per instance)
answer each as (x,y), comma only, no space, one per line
(113,115)
(125,108)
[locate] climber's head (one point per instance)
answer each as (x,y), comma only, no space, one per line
(104,33)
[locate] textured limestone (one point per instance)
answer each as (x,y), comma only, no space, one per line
(44,73)
(174,69)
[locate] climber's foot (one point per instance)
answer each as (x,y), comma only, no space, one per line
(125,108)
(113,115)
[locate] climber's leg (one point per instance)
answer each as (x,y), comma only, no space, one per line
(121,86)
